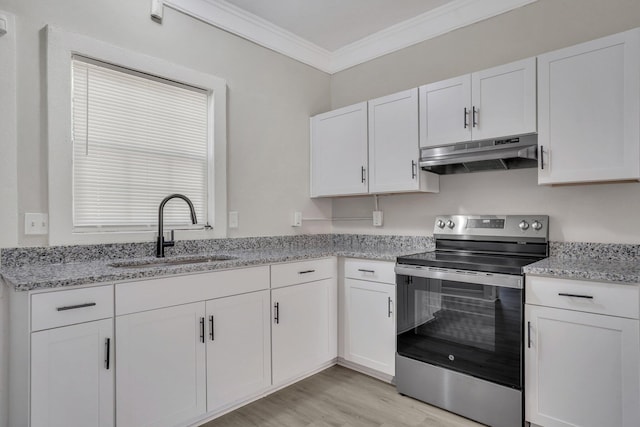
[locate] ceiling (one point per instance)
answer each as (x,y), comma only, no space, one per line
(332,24)
(333,35)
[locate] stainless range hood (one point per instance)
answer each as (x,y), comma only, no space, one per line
(477,156)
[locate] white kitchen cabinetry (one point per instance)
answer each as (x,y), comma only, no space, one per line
(72,376)
(394,146)
(489,104)
(304,328)
(339,152)
(72,359)
(238,348)
(589,111)
(205,352)
(369,315)
(161,378)
(582,354)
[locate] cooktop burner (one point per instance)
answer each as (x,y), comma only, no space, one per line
(490,263)
(488,243)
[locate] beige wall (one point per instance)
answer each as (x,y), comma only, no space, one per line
(269,102)
(600,213)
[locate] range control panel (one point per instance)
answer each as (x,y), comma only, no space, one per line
(496,226)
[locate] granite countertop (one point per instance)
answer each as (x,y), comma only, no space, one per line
(40,276)
(588,268)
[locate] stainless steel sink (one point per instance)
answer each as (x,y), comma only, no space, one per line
(162,262)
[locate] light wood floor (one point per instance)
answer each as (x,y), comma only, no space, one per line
(339,397)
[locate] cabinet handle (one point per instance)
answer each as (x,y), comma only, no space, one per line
(211,335)
(276,313)
(202,329)
(542,157)
(389,303)
(466,114)
(528,334)
(575,295)
(107,353)
(414,169)
(73,307)
(366,271)
(306,271)
(475,113)
(362,174)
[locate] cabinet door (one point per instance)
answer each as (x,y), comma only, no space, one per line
(370,321)
(304,330)
(589,111)
(504,100)
(445,112)
(339,152)
(581,369)
(71,383)
(238,348)
(161,366)
(393,143)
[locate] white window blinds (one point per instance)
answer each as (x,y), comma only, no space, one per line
(136,139)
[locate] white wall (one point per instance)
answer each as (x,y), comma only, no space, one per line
(598,213)
(270,100)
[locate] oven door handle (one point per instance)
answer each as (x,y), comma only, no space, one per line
(464,276)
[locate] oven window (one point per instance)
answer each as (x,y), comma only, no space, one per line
(469,328)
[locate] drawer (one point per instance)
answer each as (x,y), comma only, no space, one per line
(293,273)
(60,308)
(591,297)
(373,271)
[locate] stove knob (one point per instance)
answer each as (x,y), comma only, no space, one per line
(440,223)
(524,225)
(451,224)
(537,225)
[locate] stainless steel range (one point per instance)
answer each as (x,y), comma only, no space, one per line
(460,315)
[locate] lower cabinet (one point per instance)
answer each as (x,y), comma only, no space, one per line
(161,377)
(581,367)
(238,348)
(370,319)
(72,376)
(304,330)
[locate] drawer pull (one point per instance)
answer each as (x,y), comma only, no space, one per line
(575,296)
(107,357)
(306,271)
(366,271)
(73,307)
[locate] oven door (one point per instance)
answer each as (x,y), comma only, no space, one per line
(469,322)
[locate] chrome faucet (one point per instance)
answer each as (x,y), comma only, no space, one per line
(161,243)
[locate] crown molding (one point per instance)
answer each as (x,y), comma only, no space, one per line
(451,16)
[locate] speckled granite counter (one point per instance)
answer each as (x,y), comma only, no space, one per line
(590,261)
(38,268)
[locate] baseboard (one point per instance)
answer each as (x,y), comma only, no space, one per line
(367,371)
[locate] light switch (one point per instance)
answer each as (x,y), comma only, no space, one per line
(377,218)
(297,219)
(36,223)
(233,219)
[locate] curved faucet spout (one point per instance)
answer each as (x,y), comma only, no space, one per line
(161,243)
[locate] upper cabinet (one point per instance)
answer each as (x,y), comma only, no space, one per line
(589,111)
(339,152)
(494,103)
(393,146)
(369,148)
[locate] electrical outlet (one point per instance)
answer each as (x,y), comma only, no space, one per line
(297,219)
(377,218)
(36,223)
(233,219)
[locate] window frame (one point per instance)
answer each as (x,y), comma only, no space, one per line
(61,47)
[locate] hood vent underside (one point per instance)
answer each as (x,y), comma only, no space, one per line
(478,156)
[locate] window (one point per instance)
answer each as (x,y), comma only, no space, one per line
(136,139)
(124,130)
